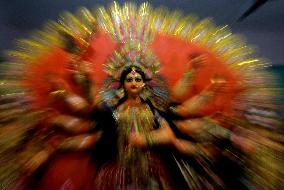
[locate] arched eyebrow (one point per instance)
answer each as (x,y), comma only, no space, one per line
(138,79)
(128,79)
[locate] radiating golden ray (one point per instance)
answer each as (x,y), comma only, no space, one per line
(119,20)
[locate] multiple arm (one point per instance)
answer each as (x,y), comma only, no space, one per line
(80,131)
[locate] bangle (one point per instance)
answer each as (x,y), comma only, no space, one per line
(58,93)
(188,75)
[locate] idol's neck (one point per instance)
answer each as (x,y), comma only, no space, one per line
(133,100)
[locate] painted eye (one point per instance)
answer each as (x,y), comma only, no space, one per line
(129,80)
(138,79)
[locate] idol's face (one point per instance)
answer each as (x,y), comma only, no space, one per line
(133,83)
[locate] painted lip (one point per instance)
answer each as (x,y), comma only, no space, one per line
(133,87)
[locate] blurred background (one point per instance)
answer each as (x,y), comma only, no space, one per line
(261,22)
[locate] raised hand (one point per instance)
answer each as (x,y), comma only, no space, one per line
(192,107)
(183,84)
(63,92)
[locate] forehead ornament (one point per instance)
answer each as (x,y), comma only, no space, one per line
(134,73)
